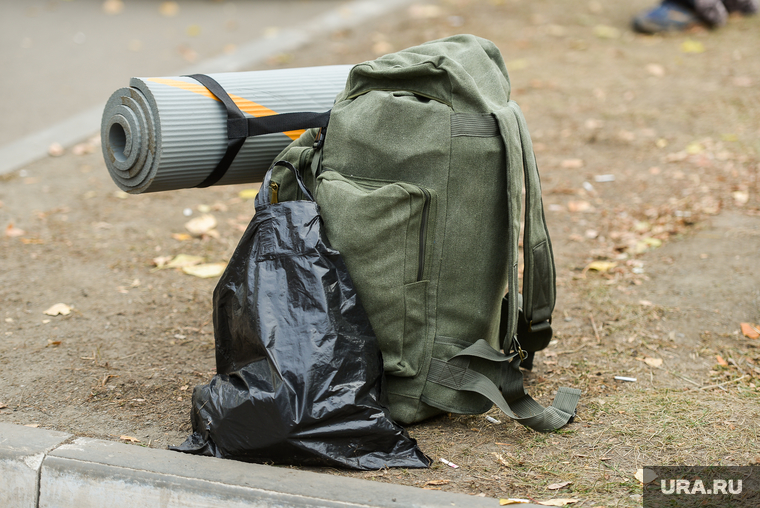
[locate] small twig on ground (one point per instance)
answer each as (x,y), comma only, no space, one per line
(571,351)
(723,384)
(686,379)
(596,331)
(738,367)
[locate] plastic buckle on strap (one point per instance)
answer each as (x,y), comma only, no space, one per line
(319,141)
(541,326)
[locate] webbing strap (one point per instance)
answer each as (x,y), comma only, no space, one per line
(510,397)
(539,278)
(240,127)
(474,125)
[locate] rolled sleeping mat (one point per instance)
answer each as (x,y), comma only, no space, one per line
(170,133)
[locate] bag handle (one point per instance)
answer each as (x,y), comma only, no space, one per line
(264,197)
(240,127)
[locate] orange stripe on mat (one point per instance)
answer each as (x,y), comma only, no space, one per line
(250,107)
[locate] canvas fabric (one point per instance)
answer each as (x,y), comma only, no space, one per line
(420,177)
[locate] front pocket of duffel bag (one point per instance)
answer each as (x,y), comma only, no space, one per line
(384,231)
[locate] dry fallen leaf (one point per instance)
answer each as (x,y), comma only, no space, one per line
(53,343)
(606,32)
(248,193)
(56,150)
(184,260)
(206,270)
(721,361)
(645,244)
(83,149)
(579,206)
(113,6)
(750,330)
(130,439)
(557,486)
(695,148)
(182,237)
(12,231)
(200,226)
(169,9)
(572,164)
(740,197)
(518,64)
(645,476)
(692,46)
(161,261)
(3,406)
(58,308)
(558,502)
(656,69)
(677,156)
(426,11)
(509,501)
(436,482)
(653,362)
(501,460)
(601,266)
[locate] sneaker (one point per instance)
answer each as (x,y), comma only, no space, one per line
(666,17)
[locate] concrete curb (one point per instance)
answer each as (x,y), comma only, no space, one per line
(45,469)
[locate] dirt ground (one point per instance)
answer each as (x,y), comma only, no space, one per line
(649,151)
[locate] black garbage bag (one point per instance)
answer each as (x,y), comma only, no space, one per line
(299,370)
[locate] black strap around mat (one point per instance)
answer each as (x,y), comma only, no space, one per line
(241,127)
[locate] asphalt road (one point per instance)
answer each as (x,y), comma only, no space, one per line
(60,58)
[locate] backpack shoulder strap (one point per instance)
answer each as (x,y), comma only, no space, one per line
(533,323)
(539,277)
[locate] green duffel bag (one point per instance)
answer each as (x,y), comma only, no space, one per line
(419,176)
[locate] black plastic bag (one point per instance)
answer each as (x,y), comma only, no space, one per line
(299,371)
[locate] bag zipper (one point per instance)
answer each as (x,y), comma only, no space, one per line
(423,233)
(274,187)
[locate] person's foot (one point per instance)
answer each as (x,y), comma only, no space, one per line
(666,17)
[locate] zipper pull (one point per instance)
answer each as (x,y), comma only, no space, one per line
(274,187)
